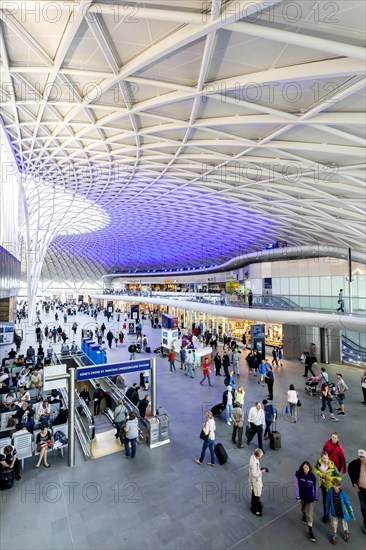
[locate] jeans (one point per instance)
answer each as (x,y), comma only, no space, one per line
(324,495)
(240,435)
(132,356)
(204,378)
(270,389)
(129,442)
(118,426)
(259,431)
(236,368)
(210,444)
(228,411)
(190,370)
(267,431)
(362,499)
(327,403)
(293,410)
(172,365)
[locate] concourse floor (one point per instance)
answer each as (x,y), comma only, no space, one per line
(162,499)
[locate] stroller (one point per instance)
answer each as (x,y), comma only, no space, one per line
(313,386)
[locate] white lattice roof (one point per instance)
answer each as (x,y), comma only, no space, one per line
(202,135)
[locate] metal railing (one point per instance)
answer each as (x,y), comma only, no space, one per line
(298,302)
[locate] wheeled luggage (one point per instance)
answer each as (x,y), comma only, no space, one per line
(217,409)
(7,477)
(275,439)
(148,349)
(220,453)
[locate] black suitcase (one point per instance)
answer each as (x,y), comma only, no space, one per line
(275,439)
(148,349)
(159,326)
(217,409)
(7,477)
(220,453)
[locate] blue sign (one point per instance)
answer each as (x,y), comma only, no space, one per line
(112,369)
(257,331)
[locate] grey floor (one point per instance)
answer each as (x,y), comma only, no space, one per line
(163,499)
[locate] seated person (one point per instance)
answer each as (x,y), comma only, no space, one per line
(8,403)
(23,377)
(44,411)
(55,396)
(8,459)
(25,417)
(4,386)
(12,354)
(43,439)
(12,381)
(36,380)
(24,396)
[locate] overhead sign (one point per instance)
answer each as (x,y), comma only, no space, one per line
(112,369)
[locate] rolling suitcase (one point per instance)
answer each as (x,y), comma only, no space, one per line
(275,439)
(217,409)
(220,453)
(148,349)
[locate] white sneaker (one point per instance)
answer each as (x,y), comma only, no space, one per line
(322,415)
(228,423)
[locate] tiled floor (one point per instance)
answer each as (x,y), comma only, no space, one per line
(162,499)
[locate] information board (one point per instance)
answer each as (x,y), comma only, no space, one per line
(112,369)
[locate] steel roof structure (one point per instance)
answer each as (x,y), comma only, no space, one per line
(203,130)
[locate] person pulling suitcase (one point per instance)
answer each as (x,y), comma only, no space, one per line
(208,436)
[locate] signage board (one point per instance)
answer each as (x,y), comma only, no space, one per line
(257,331)
(112,369)
(54,370)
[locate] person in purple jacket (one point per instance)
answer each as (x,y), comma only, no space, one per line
(306,492)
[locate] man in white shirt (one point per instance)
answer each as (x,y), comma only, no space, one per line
(256,420)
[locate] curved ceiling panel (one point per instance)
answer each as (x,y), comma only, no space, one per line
(203,134)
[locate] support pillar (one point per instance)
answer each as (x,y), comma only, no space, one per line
(153,387)
(350,305)
(71,420)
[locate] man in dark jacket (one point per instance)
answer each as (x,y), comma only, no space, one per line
(133,393)
(110,338)
(132,350)
(269,379)
(143,404)
(357,473)
(98,395)
(226,364)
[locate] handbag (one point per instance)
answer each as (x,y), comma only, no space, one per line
(287,410)
(298,403)
(203,435)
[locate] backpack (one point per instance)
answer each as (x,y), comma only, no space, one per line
(100,393)
(61,437)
